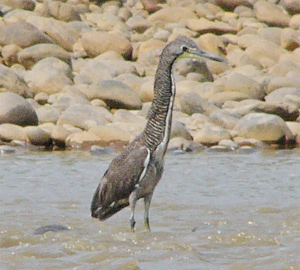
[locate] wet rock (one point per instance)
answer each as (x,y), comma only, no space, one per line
(192,103)
(278,95)
(59,135)
(10,81)
(16,110)
(96,43)
(115,94)
(60,32)
(172,14)
(31,55)
(111,133)
(49,75)
(211,134)
(10,54)
(263,127)
(272,14)
(22,34)
(9,132)
(84,116)
(6,149)
(239,83)
(51,228)
(38,136)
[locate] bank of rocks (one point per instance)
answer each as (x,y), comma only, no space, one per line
(75,74)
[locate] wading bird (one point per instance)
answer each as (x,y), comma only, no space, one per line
(135,173)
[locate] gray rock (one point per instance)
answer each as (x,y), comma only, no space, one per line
(51,228)
(22,34)
(280,82)
(115,94)
(38,136)
(31,55)
(263,127)
(47,114)
(50,76)
(10,81)
(63,11)
(6,149)
(179,130)
(10,54)
(16,110)
(224,119)
(84,116)
(59,135)
(192,103)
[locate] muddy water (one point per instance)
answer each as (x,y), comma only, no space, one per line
(210,211)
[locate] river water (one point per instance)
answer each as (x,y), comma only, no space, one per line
(210,211)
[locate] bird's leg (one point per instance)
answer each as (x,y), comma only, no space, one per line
(147,202)
(132,202)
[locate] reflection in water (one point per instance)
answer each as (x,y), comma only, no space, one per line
(210,211)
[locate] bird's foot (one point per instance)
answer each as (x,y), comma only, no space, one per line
(132,224)
(147,225)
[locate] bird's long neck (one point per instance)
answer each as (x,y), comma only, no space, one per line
(157,131)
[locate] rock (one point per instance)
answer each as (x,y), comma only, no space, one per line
(21,4)
(22,34)
(30,56)
(211,134)
(10,132)
(16,110)
(147,90)
(77,140)
(203,26)
(47,114)
(152,5)
(10,54)
(49,75)
(60,32)
(178,129)
(51,228)
(263,127)
(96,43)
(246,144)
(84,116)
(41,98)
(10,81)
(271,33)
(294,127)
(132,80)
(278,95)
(6,149)
(271,14)
(295,21)
(59,135)
(289,39)
(63,11)
(192,103)
(265,49)
(127,116)
(138,24)
(292,6)
(111,133)
(281,82)
(38,136)
(115,94)
(172,14)
(181,144)
(229,144)
(231,5)
(224,119)
(239,83)
(222,97)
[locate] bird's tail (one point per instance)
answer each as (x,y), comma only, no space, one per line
(104,212)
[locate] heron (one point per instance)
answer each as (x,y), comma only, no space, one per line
(136,171)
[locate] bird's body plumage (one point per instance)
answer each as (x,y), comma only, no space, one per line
(135,173)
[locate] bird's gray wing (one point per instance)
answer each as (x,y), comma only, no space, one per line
(120,179)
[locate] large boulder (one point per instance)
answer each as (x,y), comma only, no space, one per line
(22,34)
(16,110)
(10,81)
(262,126)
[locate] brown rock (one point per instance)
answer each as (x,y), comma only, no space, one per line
(211,134)
(10,54)
(290,39)
(231,5)
(63,11)
(96,43)
(292,6)
(172,14)
(10,132)
(110,133)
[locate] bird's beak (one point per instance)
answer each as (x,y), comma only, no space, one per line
(197,53)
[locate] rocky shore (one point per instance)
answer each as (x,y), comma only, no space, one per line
(79,73)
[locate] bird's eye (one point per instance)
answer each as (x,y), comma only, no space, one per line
(184,48)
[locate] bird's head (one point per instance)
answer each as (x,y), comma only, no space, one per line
(184,47)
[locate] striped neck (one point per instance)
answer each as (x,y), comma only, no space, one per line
(158,128)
